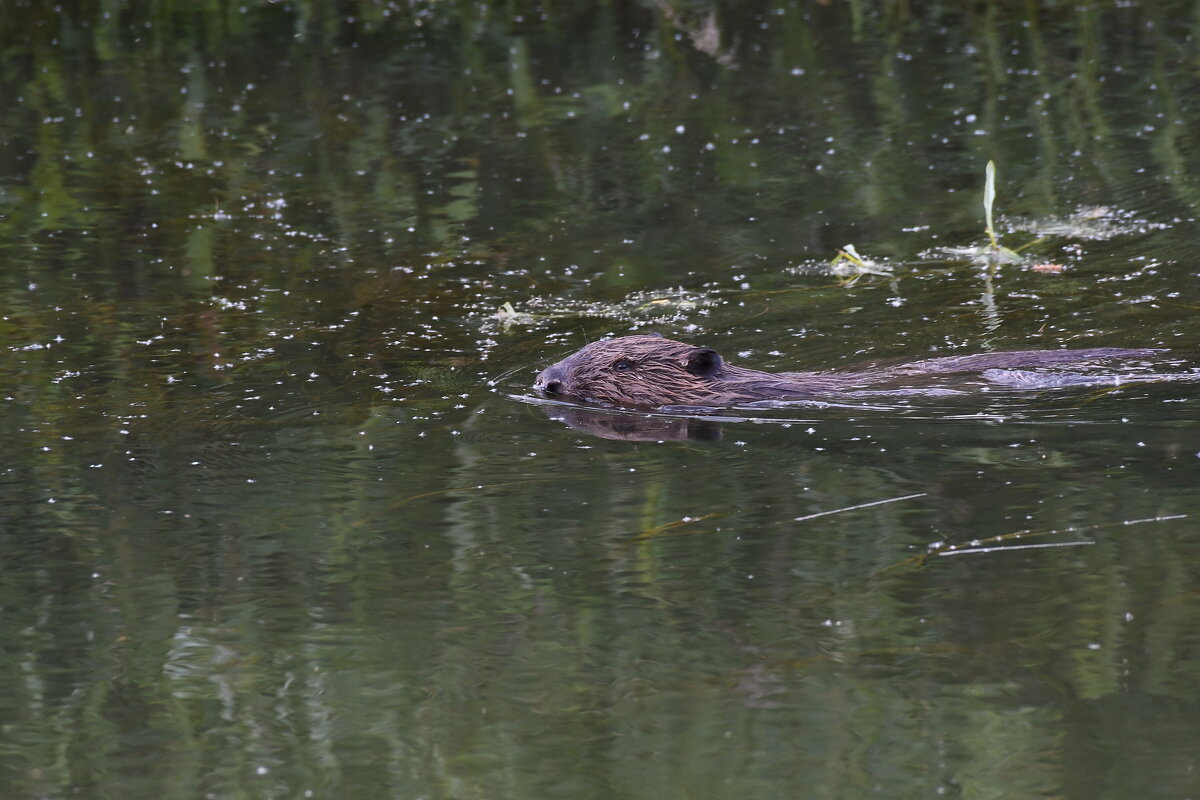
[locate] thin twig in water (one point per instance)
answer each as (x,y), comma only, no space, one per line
(978,546)
(671,526)
(454,489)
(1010,547)
(860,505)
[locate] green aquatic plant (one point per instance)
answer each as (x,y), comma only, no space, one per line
(998,252)
(848,253)
(852,265)
(506,316)
(989,197)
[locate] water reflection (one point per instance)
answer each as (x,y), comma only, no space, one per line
(634,427)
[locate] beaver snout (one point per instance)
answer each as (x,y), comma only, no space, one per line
(550,381)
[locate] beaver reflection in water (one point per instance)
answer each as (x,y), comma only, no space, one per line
(652,372)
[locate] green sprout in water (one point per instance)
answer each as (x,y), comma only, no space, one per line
(848,253)
(989,198)
(849,264)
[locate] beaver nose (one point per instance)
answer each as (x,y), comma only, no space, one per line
(550,380)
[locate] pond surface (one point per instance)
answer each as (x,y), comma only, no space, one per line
(280,515)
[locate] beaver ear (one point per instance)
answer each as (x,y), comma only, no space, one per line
(655,334)
(703,361)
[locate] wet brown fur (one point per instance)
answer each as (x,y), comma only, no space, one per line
(651,372)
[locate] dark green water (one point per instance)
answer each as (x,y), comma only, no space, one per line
(278,520)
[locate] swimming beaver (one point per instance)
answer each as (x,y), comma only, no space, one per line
(651,372)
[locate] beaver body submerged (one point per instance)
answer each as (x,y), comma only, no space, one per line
(652,372)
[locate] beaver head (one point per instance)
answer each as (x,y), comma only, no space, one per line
(651,372)
(644,371)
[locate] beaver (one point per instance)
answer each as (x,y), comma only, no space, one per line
(649,371)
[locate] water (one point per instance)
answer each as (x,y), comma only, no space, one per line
(281,517)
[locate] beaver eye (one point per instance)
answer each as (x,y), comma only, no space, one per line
(623,365)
